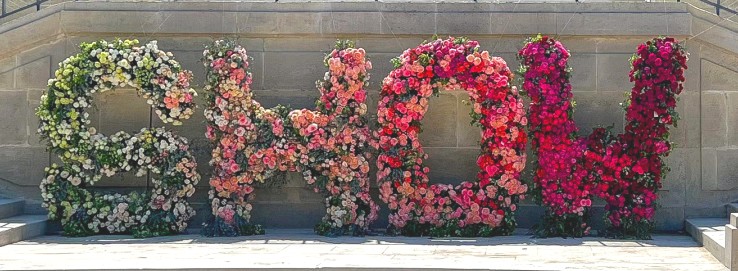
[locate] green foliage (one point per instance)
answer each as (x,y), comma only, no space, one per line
(451,228)
(344,44)
(629,229)
(396,62)
(566,225)
(216,226)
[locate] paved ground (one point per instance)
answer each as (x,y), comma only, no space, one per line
(300,249)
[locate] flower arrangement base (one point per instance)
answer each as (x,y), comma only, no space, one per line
(567,225)
(448,229)
(240,227)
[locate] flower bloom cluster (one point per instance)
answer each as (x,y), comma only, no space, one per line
(252,143)
(87,156)
(625,170)
(561,181)
(481,208)
(632,164)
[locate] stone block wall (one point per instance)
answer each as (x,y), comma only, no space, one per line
(288,40)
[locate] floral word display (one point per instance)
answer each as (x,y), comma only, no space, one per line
(252,143)
(481,208)
(87,155)
(625,170)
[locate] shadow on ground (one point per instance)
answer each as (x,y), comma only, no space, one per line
(306,236)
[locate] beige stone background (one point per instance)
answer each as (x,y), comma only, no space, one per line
(288,40)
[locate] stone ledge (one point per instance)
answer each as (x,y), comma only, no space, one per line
(300,19)
(365,6)
(20,228)
(11,207)
(710,233)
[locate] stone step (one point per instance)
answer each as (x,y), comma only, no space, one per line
(11,207)
(710,233)
(21,227)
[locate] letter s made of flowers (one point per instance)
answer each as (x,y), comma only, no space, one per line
(625,170)
(88,155)
(481,208)
(329,146)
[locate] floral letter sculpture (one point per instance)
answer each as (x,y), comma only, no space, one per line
(252,143)
(626,169)
(88,155)
(480,208)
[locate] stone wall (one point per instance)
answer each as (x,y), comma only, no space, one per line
(288,40)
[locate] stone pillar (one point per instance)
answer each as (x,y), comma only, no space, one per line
(731,243)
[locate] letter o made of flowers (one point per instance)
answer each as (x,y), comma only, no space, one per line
(329,146)
(87,155)
(482,208)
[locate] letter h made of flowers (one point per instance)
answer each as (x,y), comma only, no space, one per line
(625,170)
(251,144)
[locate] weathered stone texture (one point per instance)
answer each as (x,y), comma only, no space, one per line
(452,165)
(394,23)
(122,110)
(22,166)
(34,100)
(669,219)
(439,124)
(293,70)
(351,22)
(687,132)
(33,74)
(599,109)
(727,172)
(6,73)
(732,118)
(612,72)
(460,24)
(611,23)
(273,22)
(13,108)
(713,119)
(467,135)
(717,77)
(584,72)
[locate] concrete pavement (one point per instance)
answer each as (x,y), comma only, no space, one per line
(302,250)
